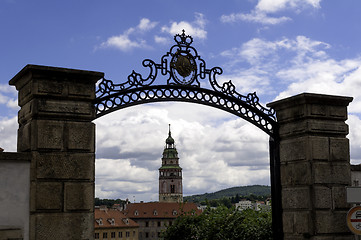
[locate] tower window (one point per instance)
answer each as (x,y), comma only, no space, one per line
(172,188)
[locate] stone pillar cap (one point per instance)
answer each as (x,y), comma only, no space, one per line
(310,98)
(56,71)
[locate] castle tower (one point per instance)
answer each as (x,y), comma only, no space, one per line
(170,174)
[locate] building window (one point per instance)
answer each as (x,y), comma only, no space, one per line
(159,224)
(133,233)
(112,234)
(170,223)
(99,221)
(172,188)
(126,221)
(120,234)
(105,235)
(155,213)
(174,212)
(127,234)
(111,221)
(136,213)
(158,234)
(146,235)
(96,235)
(146,224)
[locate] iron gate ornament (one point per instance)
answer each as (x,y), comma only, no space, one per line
(184,69)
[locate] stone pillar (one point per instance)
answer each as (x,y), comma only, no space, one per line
(315,166)
(55,126)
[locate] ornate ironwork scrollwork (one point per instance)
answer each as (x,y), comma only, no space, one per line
(183,69)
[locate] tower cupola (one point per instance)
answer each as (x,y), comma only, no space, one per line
(169,141)
(170,173)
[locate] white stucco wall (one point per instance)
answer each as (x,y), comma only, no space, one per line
(356,178)
(14,197)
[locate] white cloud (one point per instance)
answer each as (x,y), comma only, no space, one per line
(195,28)
(266,62)
(8,96)
(257,50)
(146,25)
(215,148)
(161,40)
(8,133)
(354,123)
(125,41)
(273,6)
(260,14)
(294,66)
(254,16)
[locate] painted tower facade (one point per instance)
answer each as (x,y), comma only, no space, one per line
(170,174)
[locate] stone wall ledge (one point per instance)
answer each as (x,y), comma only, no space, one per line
(310,98)
(14,156)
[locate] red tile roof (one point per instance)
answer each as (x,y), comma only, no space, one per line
(108,215)
(159,209)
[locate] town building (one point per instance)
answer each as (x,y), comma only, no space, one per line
(113,224)
(155,217)
(170,174)
(244,204)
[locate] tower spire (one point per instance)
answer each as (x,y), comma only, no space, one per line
(170,173)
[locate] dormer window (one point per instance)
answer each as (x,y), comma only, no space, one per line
(155,213)
(174,212)
(126,221)
(136,213)
(99,221)
(111,221)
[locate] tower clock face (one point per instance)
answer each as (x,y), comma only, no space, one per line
(183,67)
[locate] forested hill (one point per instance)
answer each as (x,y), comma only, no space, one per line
(257,190)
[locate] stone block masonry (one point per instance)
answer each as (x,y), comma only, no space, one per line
(56,129)
(315,166)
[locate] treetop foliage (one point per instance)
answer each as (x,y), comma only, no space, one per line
(221,224)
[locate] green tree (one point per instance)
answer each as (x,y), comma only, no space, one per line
(221,224)
(226,202)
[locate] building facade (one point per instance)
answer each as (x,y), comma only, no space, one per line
(170,174)
(155,217)
(113,224)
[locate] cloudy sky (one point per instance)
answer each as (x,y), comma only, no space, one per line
(277,48)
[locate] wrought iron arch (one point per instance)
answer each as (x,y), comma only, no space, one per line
(184,71)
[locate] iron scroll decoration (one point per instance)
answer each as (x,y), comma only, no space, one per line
(184,70)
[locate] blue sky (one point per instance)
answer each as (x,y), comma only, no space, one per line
(277,48)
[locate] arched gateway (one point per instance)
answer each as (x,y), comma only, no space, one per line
(309,151)
(184,71)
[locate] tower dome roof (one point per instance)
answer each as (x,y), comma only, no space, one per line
(169,140)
